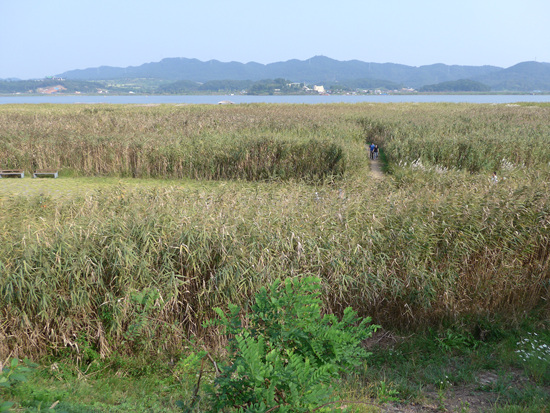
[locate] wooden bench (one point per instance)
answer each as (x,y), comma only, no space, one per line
(5,173)
(45,172)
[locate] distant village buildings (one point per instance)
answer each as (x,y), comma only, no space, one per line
(319,89)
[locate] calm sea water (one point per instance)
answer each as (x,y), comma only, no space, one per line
(148,100)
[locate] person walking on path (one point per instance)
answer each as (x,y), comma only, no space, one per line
(372,146)
(375,152)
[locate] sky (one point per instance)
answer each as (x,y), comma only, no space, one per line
(41,38)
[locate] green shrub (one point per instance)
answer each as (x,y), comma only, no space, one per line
(284,354)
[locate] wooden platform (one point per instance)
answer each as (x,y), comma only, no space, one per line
(12,173)
(45,172)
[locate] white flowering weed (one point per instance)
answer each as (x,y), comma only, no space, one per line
(532,348)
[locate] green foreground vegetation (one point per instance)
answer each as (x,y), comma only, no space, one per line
(110,274)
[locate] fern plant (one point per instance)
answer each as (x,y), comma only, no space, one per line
(16,372)
(289,353)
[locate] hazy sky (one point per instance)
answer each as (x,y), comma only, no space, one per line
(46,37)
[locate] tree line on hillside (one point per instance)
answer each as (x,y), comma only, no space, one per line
(249,87)
(262,87)
(213,86)
(462,85)
(272,86)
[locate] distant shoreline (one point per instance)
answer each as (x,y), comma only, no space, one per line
(544,93)
(274,99)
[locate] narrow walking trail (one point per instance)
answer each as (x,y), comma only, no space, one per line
(376,169)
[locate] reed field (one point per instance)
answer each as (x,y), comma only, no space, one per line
(250,143)
(244,195)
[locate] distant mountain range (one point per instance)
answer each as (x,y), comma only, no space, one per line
(526,76)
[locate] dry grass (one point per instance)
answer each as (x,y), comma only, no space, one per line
(131,268)
(249,142)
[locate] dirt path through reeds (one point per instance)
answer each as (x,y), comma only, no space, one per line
(376,169)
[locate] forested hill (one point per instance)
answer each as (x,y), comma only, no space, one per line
(526,76)
(315,70)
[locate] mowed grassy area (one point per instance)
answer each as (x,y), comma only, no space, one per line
(161,214)
(67,188)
